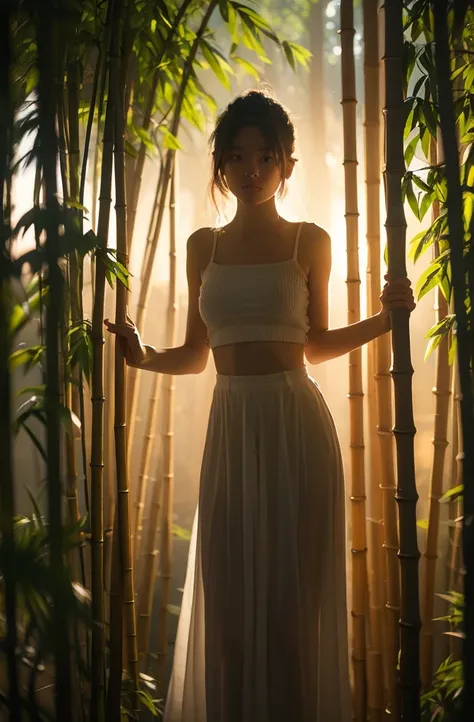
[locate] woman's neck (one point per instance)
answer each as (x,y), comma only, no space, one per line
(251,219)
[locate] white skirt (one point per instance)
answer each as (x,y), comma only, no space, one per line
(262,634)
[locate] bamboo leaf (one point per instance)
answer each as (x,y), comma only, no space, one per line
(428,279)
(169,140)
(181,533)
(36,442)
(301,54)
(452,494)
(411,198)
(248,67)
(432,345)
(216,65)
(27,357)
(422,523)
(289,54)
(411,149)
(452,349)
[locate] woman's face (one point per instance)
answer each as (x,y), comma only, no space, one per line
(251,169)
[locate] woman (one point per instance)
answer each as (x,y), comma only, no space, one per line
(262,635)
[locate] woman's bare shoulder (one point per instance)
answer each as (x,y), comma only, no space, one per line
(199,246)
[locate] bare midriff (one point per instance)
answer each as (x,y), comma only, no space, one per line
(258,358)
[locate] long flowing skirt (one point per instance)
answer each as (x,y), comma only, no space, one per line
(262,634)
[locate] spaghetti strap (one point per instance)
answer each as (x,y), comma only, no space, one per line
(297,240)
(214,245)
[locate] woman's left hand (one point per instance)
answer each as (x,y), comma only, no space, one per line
(396,294)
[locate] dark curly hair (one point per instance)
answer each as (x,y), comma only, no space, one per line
(258,109)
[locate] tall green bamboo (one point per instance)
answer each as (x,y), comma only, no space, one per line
(127,593)
(133,378)
(356,395)
(442,394)
(402,370)
(460,277)
(7,488)
(373,168)
(97,427)
(47,43)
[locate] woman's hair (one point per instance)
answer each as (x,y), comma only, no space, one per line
(254,108)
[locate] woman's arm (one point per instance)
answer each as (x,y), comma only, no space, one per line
(192,356)
(324,343)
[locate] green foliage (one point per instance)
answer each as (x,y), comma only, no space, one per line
(443,701)
(425,186)
(35,582)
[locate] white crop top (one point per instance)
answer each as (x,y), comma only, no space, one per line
(257,302)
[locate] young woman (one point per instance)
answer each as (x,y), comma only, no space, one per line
(262,635)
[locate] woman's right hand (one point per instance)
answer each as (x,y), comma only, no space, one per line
(129,339)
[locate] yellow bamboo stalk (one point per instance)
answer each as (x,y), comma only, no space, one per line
(148,566)
(373,167)
(441,391)
(97,433)
(356,397)
(402,371)
(166,525)
(456,480)
(150,433)
(120,417)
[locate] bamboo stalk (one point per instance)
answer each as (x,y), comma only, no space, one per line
(7,482)
(373,166)
(460,276)
(97,429)
(120,428)
(149,564)
(383,395)
(442,394)
(145,462)
(47,42)
(109,453)
(356,395)
(133,377)
(456,480)
(402,371)
(166,526)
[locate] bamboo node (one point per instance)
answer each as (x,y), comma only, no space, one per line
(437,392)
(358,498)
(410,625)
(96,466)
(404,432)
(384,432)
(359,551)
(440,443)
(407,557)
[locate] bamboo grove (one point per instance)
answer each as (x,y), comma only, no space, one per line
(95,88)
